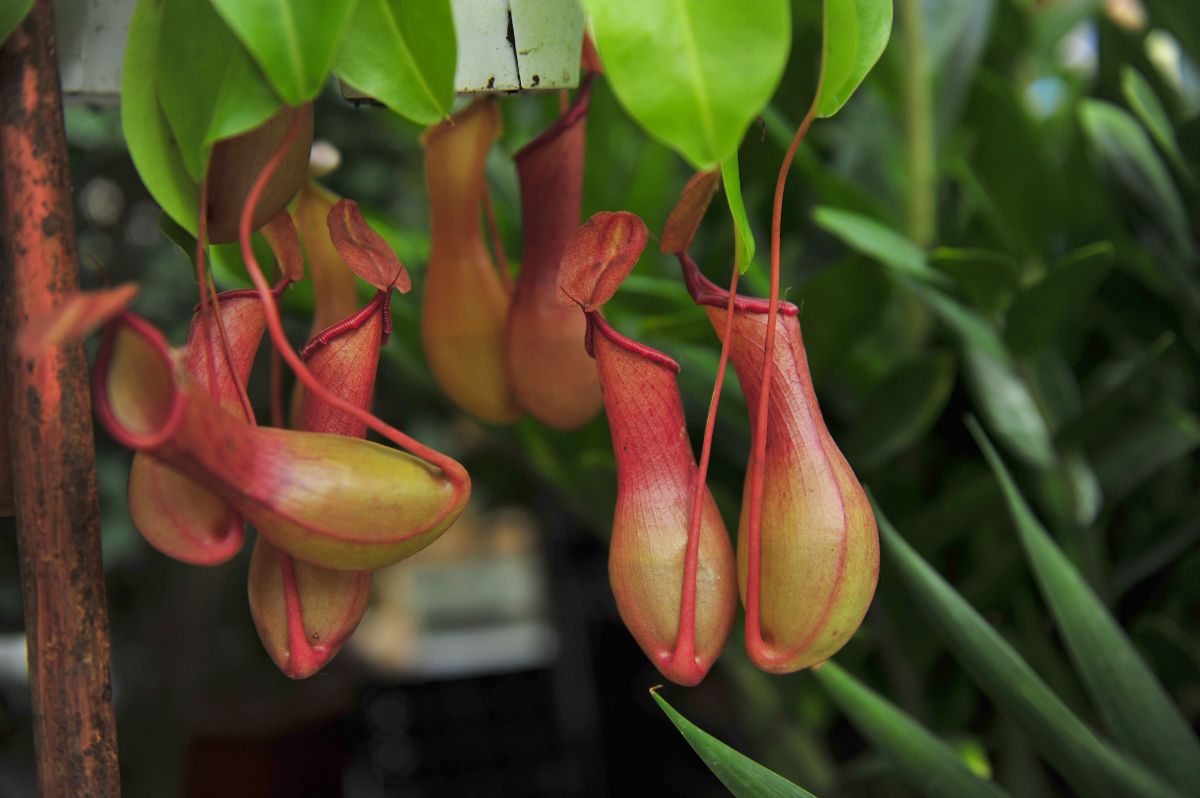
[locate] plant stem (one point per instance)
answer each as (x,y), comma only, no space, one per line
(918,112)
(50,426)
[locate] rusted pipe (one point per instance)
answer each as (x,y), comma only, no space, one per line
(50,432)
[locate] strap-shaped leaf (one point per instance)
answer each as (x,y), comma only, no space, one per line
(927,763)
(744,777)
(693,73)
(292,42)
(147,132)
(1136,709)
(402,54)
(856,32)
(743,236)
(1091,765)
(1145,103)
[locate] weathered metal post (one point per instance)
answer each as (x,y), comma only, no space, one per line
(50,427)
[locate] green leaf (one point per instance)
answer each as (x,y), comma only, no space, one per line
(147,133)
(744,777)
(1043,309)
(293,43)
(743,235)
(985,276)
(927,763)
(1136,709)
(402,54)
(900,410)
(878,241)
(207,85)
(856,33)
(1125,149)
(11,14)
(693,73)
(1089,764)
(1145,103)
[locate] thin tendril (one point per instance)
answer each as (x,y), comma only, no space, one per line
(758,453)
(501,259)
(685,644)
(451,468)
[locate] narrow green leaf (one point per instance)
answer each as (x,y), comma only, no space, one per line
(744,777)
(743,235)
(878,241)
(147,133)
(1089,764)
(1002,395)
(293,43)
(1040,311)
(207,85)
(856,33)
(11,14)
(693,73)
(1136,709)
(927,763)
(1145,103)
(402,54)
(901,409)
(1126,151)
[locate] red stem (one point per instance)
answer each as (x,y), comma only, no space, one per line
(685,644)
(758,453)
(49,419)
(451,468)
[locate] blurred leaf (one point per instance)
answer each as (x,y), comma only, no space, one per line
(1182,19)
(1166,550)
(1041,311)
(1139,448)
(1145,103)
(878,241)
(839,308)
(1104,407)
(147,133)
(1089,764)
(928,764)
(693,74)
(1136,709)
(402,54)
(743,236)
(987,277)
(856,33)
(1126,151)
(901,410)
(293,43)
(207,84)
(744,777)
(11,14)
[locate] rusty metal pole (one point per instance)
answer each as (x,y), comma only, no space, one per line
(50,429)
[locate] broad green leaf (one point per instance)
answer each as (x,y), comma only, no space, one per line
(147,133)
(744,777)
(878,241)
(1126,151)
(1145,103)
(11,14)
(856,33)
(1091,765)
(693,73)
(900,410)
(292,42)
(402,54)
(742,234)
(1136,709)
(207,85)
(1040,311)
(927,763)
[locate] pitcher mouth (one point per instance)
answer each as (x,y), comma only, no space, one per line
(133,384)
(705,292)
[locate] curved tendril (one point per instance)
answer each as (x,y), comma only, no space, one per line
(685,643)
(451,468)
(498,255)
(758,454)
